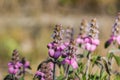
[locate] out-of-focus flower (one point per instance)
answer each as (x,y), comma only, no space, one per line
(45,71)
(56,47)
(82,34)
(115,37)
(91,41)
(71,61)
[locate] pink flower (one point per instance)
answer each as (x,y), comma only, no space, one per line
(95,41)
(118,39)
(66,43)
(62,46)
(12,70)
(49,45)
(87,40)
(57,54)
(19,64)
(87,46)
(71,61)
(93,47)
(74,63)
(90,47)
(27,64)
(39,73)
(79,40)
(54,54)
(51,52)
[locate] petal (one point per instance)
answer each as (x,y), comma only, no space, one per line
(27,63)
(49,45)
(57,54)
(87,46)
(11,70)
(95,41)
(67,60)
(118,39)
(62,46)
(93,47)
(74,63)
(51,52)
(87,40)
(79,40)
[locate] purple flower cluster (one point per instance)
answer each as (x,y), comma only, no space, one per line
(44,72)
(89,40)
(64,48)
(17,67)
(115,37)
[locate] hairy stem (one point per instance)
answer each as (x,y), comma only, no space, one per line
(54,70)
(88,66)
(67,72)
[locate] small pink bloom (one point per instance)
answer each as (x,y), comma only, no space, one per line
(113,37)
(67,60)
(11,70)
(27,63)
(51,52)
(66,43)
(87,40)
(74,63)
(87,46)
(49,45)
(19,64)
(118,39)
(79,40)
(62,46)
(40,73)
(57,54)
(95,41)
(93,47)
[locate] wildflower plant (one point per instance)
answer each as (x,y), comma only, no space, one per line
(17,67)
(73,58)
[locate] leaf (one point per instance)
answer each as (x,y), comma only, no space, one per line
(21,78)
(117,58)
(110,55)
(61,77)
(8,77)
(117,77)
(107,44)
(103,76)
(106,66)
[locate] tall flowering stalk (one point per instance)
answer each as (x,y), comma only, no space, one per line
(17,67)
(83,32)
(44,71)
(115,37)
(91,43)
(56,47)
(69,53)
(115,40)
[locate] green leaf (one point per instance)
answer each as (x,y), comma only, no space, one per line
(84,77)
(117,77)
(117,58)
(61,77)
(21,78)
(110,55)
(104,76)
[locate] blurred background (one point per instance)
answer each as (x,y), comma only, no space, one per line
(27,25)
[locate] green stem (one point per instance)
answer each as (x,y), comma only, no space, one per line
(88,65)
(67,72)
(54,70)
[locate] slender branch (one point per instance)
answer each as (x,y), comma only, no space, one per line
(88,66)
(54,70)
